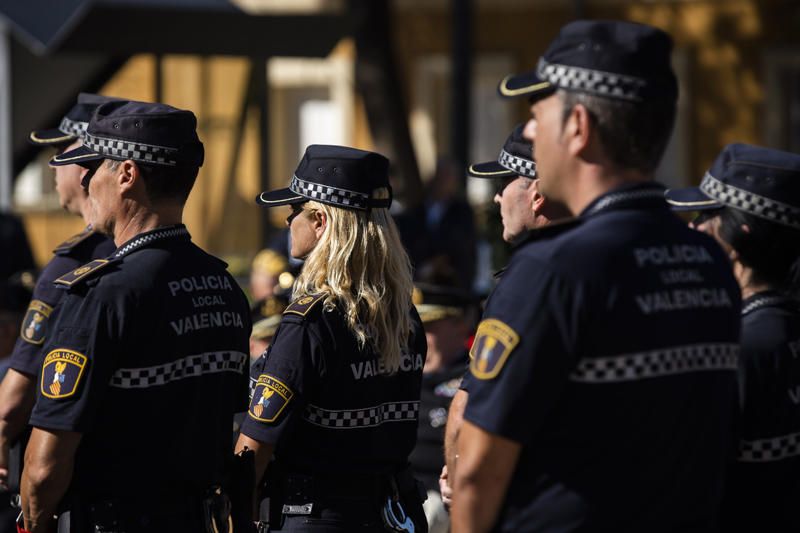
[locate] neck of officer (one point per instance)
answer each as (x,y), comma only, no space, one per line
(136,218)
(749,286)
(596,179)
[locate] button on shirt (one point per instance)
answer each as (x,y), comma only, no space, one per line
(328,405)
(147,359)
(764,486)
(608,351)
(69,255)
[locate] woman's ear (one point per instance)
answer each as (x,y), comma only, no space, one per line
(320,222)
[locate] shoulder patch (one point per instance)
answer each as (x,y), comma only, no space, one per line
(494,341)
(62,371)
(73,241)
(71,278)
(34,326)
(270,398)
(304,304)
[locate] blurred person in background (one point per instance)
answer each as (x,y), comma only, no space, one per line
(749,201)
(17,255)
(17,390)
(266,316)
(268,273)
(335,399)
(446,314)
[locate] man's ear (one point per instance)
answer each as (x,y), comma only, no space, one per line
(578,129)
(128,175)
(537,199)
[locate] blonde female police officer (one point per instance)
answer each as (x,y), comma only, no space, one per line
(336,396)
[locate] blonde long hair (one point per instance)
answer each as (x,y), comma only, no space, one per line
(361,264)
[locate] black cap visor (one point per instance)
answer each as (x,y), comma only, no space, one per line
(690,199)
(54,137)
(78,156)
(280,197)
(526,84)
(491,169)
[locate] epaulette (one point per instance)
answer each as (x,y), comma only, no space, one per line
(304,304)
(82,273)
(73,241)
(550,230)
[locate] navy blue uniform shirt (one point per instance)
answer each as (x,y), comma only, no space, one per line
(608,351)
(327,404)
(69,255)
(764,486)
(147,360)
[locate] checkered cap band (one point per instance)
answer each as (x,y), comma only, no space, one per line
(363,418)
(517,165)
(73,127)
(597,82)
(328,194)
(187,367)
(750,202)
(657,363)
(768,450)
(151,237)
(122,150)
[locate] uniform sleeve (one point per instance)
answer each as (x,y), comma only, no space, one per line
(523,353)
(26,357)
(77,366)
(284,378)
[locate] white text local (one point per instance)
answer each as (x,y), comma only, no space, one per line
(200,283)
(374,367)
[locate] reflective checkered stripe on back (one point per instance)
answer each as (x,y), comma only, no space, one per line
(73,127)
(362,418)
(768,450)
(750,202)
(328,194)
(122,150)
(657,363)
(516,164)
(592,81)
(186,367)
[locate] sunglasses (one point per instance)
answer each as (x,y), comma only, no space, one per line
(296,210)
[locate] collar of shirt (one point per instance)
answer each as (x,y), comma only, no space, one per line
(629,195)
(148,238)
(764,299)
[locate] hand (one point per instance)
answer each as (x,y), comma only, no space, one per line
(4,451)
(445,489)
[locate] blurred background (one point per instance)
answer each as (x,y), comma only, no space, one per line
(413,79)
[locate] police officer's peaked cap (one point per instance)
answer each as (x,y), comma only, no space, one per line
(335,175)
(515,159)
(613,59)
(436,302)
(155,134)
(760,181)
(73,124)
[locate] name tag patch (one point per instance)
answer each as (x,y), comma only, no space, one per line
(34,326)
(270,397)
(61,373)
(494,341)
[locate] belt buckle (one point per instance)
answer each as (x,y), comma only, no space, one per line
(302,510)
(395,517)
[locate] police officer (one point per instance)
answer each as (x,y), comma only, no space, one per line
(336,396)
(751,196)
(445,312)
(522,209)
(17,390)
(150,342)
(603,384)
(266,315)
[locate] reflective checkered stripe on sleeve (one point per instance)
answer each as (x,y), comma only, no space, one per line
(657,363)
(187,367)
(362,418)
(768,450)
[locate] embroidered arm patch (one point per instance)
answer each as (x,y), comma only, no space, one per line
(270,398)
(34,326)
(494,341)
(61,373)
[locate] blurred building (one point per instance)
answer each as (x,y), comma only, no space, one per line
(738,62)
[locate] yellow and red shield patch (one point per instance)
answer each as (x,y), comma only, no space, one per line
(270,398)
(494,341)
(34,326)
(61,373)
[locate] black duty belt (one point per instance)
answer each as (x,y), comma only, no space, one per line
(338,488)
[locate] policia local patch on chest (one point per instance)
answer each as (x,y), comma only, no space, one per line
(270,397)
(494,342)
(61,372)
